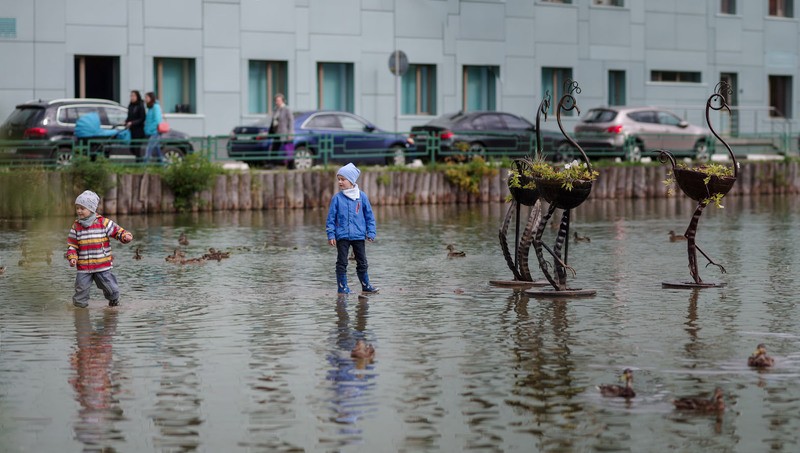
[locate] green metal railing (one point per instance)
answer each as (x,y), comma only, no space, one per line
(326,148)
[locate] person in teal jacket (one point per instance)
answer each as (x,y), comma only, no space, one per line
(350,222)
(151,121)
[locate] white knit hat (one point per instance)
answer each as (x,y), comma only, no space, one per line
(88,200)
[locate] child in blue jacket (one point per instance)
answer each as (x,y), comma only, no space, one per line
(350,222)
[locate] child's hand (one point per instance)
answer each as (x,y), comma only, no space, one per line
(127,237)
(371,239)
(332,242)
(73,262)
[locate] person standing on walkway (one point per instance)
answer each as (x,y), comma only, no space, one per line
(135,122)
(151,122)
(282,124)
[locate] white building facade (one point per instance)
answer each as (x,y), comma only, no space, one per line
(217,63)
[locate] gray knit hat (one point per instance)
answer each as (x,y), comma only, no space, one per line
(88,200)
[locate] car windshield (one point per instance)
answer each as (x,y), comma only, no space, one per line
(24,116)
(599,116)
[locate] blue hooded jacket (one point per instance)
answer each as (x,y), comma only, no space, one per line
(349,219)
(151,119)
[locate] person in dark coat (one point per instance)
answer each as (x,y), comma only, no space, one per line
(135,122)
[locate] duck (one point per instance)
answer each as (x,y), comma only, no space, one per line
(714,404)
(581,238)
(176,256)
(625,391)
(193,261)
(760,359)
(182,240)
(214,254)
(137,254)
(453,253)
(676,237)
(362,350)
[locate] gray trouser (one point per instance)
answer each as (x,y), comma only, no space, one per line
(105,280)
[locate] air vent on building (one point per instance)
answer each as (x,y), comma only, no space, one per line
(8,27)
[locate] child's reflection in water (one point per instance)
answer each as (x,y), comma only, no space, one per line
(95,389)
(352,366)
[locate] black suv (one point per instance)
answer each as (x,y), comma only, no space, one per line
(50,128)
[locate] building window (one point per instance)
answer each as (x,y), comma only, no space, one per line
(780,96)
(335,86)
(727,6)
(97,77)
(675,76)
(781,8)
(175,84)
(557,1)
(553,82)
(419,90)
(480,88)
(616,87)
(8,27)
(265,80)
(619,3)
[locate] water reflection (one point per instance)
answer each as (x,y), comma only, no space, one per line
(351,381)
(95,382)
(254,351)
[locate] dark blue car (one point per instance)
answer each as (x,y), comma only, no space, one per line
(340,137)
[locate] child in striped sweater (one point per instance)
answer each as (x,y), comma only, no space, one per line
(89,248)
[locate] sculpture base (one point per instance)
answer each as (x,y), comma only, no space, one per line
(692,285)
(520,284)
(569,292)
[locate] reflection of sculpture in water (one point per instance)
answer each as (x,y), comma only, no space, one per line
(351,376)
(545,386)
(93,382)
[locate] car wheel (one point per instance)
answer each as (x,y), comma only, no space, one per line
(172,155)
(701,153)
(565,153)
(397,156)
(634,153)
(302,159)
(62,156)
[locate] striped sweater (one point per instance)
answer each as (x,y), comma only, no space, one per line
(91,246)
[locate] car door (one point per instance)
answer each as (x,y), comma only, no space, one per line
(647,129)
(522,130)
(675,137)
(494,135)
(323,133)
(360,139)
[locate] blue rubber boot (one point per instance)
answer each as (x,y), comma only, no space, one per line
(341,282)
(366,287)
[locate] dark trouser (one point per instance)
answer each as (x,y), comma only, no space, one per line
(105,280)
(343,246)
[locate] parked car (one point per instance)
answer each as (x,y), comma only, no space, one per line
(633,132)
(482,133)
(349,137)
(50,128)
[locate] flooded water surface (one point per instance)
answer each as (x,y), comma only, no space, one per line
(252,353)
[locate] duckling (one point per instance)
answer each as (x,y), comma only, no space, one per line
(619,390)
(182,240)
(713,404)
(581,238)
(760,359)
(453,253)
(675,237)
(2,270)
(137,254)
(362,350)
(352,256)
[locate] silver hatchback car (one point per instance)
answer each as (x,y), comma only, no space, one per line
(633,132)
